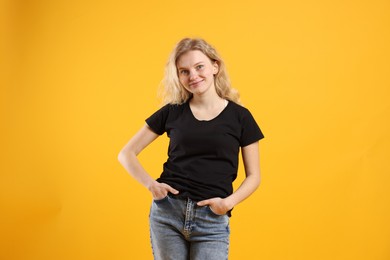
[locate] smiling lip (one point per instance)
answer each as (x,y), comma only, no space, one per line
(194,84)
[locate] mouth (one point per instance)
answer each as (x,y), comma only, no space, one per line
(194,84)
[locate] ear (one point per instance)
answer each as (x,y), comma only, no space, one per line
(215,67)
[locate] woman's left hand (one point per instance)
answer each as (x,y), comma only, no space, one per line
(217,205)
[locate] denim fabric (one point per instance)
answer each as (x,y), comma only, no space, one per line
(181,230)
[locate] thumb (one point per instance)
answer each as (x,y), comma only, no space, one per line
(203,203)
(172,190)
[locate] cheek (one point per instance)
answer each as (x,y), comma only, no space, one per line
(208,73)
(182,80)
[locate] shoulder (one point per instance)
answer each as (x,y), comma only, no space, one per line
(239,110)
(237,106)
(242,114)
(173,109)
(170,106)
(167,113)
(250,130)
(167,108)
(170,111)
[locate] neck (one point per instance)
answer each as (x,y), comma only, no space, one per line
(207,100)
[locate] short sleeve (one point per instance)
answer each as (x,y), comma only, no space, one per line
(250,131)
(157,121)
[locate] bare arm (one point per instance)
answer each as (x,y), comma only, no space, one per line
(250,155)
(128,158)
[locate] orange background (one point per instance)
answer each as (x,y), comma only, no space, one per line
(80,77)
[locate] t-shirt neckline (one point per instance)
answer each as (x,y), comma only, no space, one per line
(212,119)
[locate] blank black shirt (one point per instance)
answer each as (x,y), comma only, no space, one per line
(203,156)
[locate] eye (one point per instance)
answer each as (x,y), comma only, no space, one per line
(183,72)
(200,66)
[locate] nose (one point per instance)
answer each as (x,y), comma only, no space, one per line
(193,74)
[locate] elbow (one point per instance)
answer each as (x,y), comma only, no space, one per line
(122,156)
(126,154)
(257,181)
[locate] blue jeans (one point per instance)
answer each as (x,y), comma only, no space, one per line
(181,230)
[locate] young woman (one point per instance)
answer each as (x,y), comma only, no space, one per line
(193,198)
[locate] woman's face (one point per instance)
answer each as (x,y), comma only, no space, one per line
(196,72)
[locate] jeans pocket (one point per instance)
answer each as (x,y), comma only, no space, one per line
(161,200)
(213,213)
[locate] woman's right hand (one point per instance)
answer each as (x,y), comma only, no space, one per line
(160,190)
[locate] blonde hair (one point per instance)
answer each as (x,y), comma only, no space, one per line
(172,91)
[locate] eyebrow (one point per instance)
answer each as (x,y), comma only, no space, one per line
(181,68)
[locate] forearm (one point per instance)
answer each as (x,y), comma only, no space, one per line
(250,155)
(247,187)
(132,165)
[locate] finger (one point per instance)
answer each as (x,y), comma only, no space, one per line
(174,191)
(159,194)
(203,202)
(171,190)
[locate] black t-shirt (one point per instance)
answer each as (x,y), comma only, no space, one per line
(203,155)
